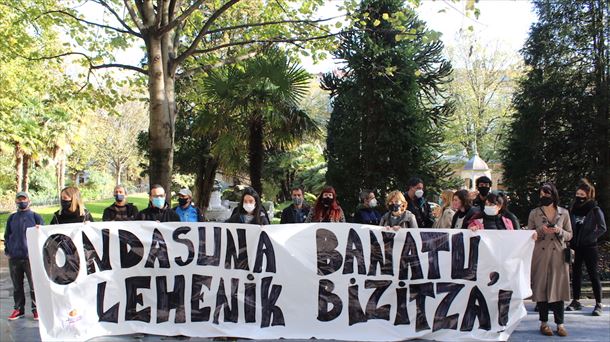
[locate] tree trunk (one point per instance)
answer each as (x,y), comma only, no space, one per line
(18,167)
(162,115)
(255,154)
(117,172)
(25,183)
(208,182)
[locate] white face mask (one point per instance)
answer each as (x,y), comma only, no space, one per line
(419,193)
(491,210)
(249,207)
(373,203)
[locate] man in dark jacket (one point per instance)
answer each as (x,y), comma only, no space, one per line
(120,210)
(16,248)
(298,210)
(158,208)
(417,203)
(367,212)
(483,185)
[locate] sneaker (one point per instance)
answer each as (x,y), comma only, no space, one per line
(16,315)
(35,314)
(574,306)
(597,310)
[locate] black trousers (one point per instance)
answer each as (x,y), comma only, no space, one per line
(588,256)
(18,268)
(558,311)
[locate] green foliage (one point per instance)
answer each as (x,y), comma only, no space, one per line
(560,131)
(388,104)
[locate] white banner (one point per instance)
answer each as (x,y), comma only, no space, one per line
(328,281)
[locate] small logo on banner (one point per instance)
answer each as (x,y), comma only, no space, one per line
(73,316)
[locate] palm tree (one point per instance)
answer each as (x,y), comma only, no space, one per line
(259,104)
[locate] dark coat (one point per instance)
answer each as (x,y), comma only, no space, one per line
(289,214)
(236,217)
(64,216)
(15,241)
(588,231)
(467,216)
(155,214)
(367,215)
(110,213)
(423,214)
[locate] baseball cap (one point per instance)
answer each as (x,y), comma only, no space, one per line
(22,194)
(185,192)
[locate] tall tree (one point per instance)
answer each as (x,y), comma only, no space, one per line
(484,79)
(180,38)
(562,120)
(388,104)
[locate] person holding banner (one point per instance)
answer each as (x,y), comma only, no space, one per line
(490,218)
(550,266)
(158,208)
(326,208)
(589,224)
(444,214)
(503,198)
(296,212)
(72,208)
(16,248)
(250,209)
(398,216)
(185,208)
(366,212)
(462,204)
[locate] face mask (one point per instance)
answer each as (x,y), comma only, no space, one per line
(373,203)
(579,200)
(395,207)
(483,190)
(22,205)
(249,207)
(419,193)
(491,210)
(183,201)
(546,201)
(297,201)
(327,201)
(119,198)
(158,202)
(66,204)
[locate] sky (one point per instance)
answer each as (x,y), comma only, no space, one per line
(502,22)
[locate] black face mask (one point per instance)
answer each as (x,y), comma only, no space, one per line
(65,205)
(483,190)
(546,201)
(579,200)
(395,207)
(183,201)
(327,202)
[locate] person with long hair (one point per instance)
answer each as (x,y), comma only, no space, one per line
(72,208)
(326,208)
(490,218)
(462,204)
(398,216)
(505,212)
(250,209)
(589,224)
(550,269)
(444,214)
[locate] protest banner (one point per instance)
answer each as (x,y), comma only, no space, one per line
(324,280)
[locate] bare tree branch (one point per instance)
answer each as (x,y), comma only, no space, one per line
(191,49)
(89,22)
(273,40)
(271,23)
(175,22)
(122,66)
(224,62)
(133,14)
(118,17)
(90,61)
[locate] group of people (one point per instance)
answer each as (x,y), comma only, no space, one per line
(558,231)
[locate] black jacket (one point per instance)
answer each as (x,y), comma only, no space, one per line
(423,214)
(155,214)
(587,231)
(64,216)
(479,203)
(289,214)
(366,215)
(236,217)
(110,213)
(467,215)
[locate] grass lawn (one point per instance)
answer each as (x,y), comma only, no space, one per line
(96,208)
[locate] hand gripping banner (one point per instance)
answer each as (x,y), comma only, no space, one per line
(324,280)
